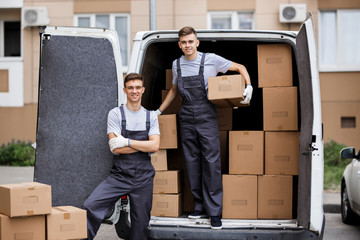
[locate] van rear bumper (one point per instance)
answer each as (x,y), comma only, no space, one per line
(171,232)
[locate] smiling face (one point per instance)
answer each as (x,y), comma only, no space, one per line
(188,44)
(134,90)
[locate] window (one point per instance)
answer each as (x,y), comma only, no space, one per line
(118,22)
(231,20)
(348,122)
(339,40)
(10,39)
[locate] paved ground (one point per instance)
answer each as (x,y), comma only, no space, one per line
(107,232)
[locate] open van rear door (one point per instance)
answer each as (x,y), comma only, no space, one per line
(311,164)
(80,72)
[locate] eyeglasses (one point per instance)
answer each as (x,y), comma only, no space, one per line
(131,88)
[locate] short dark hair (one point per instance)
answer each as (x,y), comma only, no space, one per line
(133,76)
(186,31)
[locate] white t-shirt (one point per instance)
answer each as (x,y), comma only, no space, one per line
(212,66)
(135,121)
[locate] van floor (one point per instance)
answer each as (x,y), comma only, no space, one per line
(184,221)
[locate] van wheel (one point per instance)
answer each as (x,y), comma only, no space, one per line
(347,214)
(123,226)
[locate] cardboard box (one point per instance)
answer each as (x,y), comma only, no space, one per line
(159,160)
(25,199)
(275,65)
(21,228)
(168,131)
(169,78)
(225,118)
(166,205)
(226,91)
(174,107)
(240,196)
(280,108)
(168,181)
(282,153)
(275,197)
(246,152)
(66,222)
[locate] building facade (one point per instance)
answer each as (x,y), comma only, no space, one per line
(335,21)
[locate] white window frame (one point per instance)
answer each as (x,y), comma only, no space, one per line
(337,67)
(112,17)
(234,15)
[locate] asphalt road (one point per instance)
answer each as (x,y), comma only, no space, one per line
(335,229)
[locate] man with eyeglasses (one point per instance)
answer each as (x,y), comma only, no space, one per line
(133,134)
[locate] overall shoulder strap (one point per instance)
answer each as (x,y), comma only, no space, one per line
(178,67)
(123,119)
(147,121)
(201,71)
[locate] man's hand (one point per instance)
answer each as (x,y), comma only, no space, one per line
(247,94)
(158,112)
(118,142)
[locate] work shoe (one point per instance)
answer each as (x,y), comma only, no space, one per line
(197,215)
(216,222)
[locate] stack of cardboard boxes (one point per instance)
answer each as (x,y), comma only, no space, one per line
(168,184)
(262,163)
(26,213)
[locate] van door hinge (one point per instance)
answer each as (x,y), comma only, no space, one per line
(310,150)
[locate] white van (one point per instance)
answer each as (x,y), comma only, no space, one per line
(81,80)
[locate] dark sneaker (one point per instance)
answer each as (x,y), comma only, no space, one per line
(216,222)
(197,214)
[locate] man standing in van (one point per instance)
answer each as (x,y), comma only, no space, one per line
(133,133)
(198,122)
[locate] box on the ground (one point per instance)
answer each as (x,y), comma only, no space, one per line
(240,196)
(166,205)
(226,90)
(159,160)
(224,116)
(275,65)
(168,131)
(246,152)
(21,228)
(168,181)
(282,153)
(169,78)
(280,109)
(25,199)
(188,197)
(174,107)
(275,197)
(66,222)
(224,151)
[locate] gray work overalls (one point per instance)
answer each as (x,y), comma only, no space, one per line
(200,142)
(132,174)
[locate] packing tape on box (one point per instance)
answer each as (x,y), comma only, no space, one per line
(274,60)
(162,204)
(239,202)
(67,227)
(161,181)
(281,158)
(24,236)
(66,214)
(30,212)
(275,202)
(279,114)
(30,199)
(245,147)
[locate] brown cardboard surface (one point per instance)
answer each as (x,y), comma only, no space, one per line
(226,91)
(246,152)
(275,65)
(240,196)
(275,197)
(166,205)
(21,228)
(159,160)
(169,78)
(168,181)
(175,105)
(66,222)
(282,153)
(280,109)
(224,116)
(25,199)
(168,131)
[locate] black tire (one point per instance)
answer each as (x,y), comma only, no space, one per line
(123,226)
(347,214)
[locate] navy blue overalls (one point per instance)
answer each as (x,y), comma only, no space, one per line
(132,174)
(200,142)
